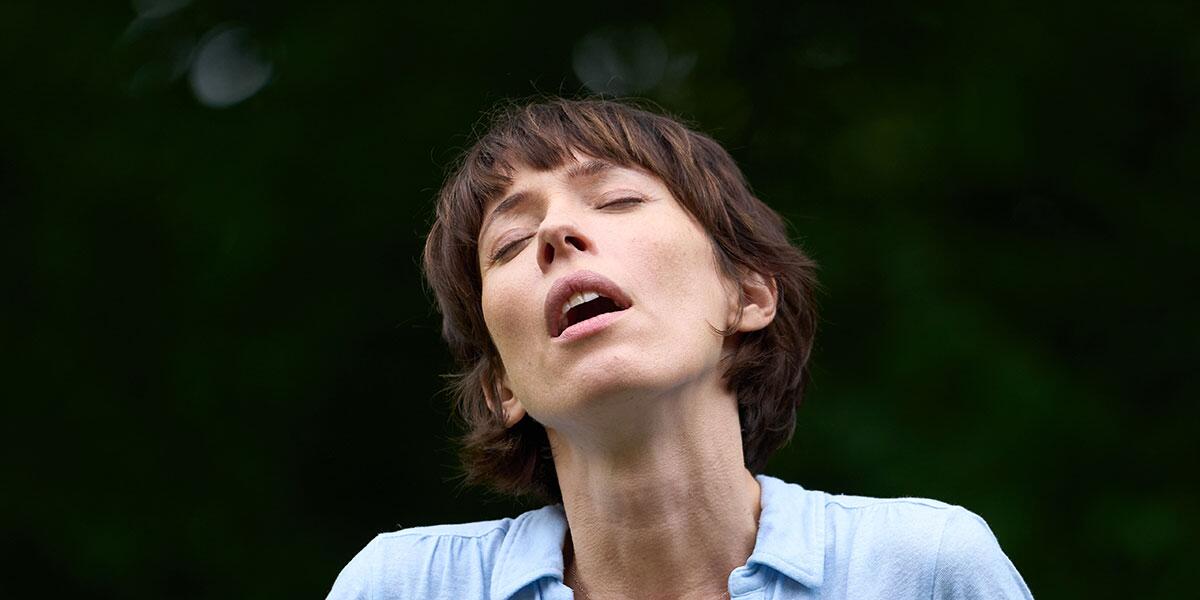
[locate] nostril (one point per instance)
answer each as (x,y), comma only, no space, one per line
(548,253)
(576,242)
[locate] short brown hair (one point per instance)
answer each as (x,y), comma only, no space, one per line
(767,372)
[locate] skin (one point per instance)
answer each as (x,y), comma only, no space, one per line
(643,430)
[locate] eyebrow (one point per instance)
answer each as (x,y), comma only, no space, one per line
(586,170)
(504,206)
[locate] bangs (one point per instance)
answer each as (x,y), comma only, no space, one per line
(544,137)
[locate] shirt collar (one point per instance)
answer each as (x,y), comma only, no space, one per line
(791,531)
(791,540)
(531,550)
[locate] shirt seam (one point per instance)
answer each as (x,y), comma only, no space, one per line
(937,559)
(373,582)
(877,501)
(411,533)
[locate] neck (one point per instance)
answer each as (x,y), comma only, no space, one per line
(665,512)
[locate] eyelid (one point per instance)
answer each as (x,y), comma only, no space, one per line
(622,200)
(506,247)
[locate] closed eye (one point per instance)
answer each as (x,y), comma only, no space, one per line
(506,249)
(621,202)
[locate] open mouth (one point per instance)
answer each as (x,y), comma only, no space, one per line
(585,305)
(579,297)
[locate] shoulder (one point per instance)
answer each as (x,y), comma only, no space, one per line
(899,518)
(426,562)
(860,547)
(971,564)
(900,532)
(925,543)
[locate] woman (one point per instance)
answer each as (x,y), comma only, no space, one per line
(633,327)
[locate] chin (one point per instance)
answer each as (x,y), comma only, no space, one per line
(607,372)
(630,374)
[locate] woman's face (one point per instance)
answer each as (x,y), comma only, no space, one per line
(638,273)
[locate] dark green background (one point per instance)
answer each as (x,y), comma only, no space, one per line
(222,370)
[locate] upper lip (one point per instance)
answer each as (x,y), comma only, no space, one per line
(579,281)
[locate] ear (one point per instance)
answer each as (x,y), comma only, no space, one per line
(500,397)
(760,296)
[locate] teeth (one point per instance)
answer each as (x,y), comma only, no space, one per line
(578,299)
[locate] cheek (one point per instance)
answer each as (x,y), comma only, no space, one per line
(684,267)
(502,313)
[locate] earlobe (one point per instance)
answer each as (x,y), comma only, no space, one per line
(500,398)
(760,296)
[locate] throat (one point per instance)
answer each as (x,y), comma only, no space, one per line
(687,531)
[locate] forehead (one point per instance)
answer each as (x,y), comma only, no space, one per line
(580,170)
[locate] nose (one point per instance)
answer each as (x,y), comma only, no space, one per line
(558,241)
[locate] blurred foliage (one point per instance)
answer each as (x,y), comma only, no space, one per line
(221,363)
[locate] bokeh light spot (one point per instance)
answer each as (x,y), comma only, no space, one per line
(229,68)
(621,61)
(154,9)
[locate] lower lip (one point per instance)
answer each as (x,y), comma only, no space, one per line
(591,326)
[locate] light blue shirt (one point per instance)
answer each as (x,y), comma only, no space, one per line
(810,545)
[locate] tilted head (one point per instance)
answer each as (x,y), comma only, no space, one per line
(663,210)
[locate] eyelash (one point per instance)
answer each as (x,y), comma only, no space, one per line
(499,254)
(504,250)
(629,200)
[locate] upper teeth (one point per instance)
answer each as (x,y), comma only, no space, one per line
(578,299)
